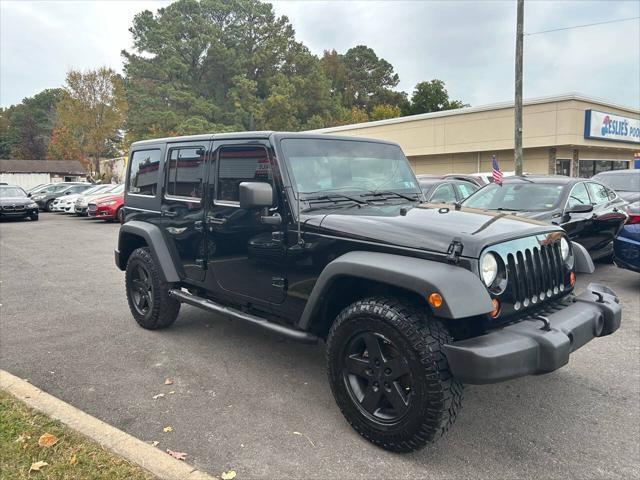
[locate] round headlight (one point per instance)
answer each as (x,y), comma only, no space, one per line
(564,249)
(488,268)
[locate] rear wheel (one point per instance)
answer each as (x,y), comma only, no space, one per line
(148,293)
(389,375)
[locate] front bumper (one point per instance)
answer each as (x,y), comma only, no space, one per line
(525,348)
(27,212)
(106,212)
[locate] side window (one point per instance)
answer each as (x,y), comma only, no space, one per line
(465,189)
(241,164)
(143,172)
(184,172)
(578,196)
(598,193)
(444,194)
(611,194)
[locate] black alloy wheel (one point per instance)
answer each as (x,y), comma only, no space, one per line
(389,374)
(377,377)
(148,293)
(141,290)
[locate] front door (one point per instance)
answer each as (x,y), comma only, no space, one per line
(182,211)
(579,225)
(245,257)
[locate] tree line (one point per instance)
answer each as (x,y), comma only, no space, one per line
(209,66)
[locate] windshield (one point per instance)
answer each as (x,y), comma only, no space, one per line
(532,197)
(322,166)
(12,192)
(622,183)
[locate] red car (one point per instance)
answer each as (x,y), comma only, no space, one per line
(107,208)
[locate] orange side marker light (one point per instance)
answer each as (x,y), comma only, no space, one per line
(435,300)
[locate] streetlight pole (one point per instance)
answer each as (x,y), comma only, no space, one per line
(518,85)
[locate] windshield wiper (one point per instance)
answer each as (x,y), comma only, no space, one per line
(503,209)
(389,192)
(332,196)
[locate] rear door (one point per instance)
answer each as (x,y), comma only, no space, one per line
(608,216)
(182,211)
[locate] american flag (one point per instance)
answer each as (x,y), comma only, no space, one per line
(497,173)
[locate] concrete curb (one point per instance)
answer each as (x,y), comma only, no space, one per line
(134,450)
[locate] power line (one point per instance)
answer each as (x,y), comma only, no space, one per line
(582,26)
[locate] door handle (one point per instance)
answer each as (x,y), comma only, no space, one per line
(216,220)
(198,225)
(167,213)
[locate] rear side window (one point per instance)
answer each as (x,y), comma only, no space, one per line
(598,193)
(444,194)
(184,172)
(143,172)
(465,189)
(578,196)
(241,164)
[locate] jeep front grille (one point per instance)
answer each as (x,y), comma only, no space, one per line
(535,272)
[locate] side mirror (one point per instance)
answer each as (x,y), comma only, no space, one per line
(255,195)
(580,208)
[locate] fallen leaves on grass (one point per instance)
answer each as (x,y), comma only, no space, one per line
(160,395)
(168,381)
(73,460)
(47,440)
(22,438)
(230,475)
(178,455)
(167,429)
(36,466)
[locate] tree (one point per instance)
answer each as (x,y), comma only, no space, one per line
(63,145)
(220,65)
(431,97)
(93,110)
(368,76)
(383,111)
(29,125)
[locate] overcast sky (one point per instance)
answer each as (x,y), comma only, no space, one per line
(469,45)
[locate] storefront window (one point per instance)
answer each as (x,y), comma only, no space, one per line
(588,168)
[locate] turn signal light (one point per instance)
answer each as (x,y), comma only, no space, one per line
(572,279)
(496,308)
(435,300)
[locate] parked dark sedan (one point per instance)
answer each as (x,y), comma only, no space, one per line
(626,183)
(626,246)
(45,199)
(590,213)
(14,203)
(445,190)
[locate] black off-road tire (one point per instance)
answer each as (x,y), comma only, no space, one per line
(162,310)
(435,396)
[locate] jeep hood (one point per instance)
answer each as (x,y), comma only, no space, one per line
(429,227)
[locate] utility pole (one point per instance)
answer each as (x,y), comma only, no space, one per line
(518,102)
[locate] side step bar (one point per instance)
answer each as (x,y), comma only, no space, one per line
(297,335)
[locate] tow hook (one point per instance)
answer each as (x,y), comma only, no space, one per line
(547,325)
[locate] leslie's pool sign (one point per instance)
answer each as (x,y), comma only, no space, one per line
(607,126)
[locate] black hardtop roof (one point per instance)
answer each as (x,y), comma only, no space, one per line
(275,136)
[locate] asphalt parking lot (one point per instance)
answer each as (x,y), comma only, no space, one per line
(240,394)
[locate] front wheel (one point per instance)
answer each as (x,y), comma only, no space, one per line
(48,206)
(34,217)
(120,215)
(389,375)
(148,293)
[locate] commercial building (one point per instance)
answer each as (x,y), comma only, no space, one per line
(29,173)
(568,134)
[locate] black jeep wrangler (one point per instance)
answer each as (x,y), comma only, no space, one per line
(323,237)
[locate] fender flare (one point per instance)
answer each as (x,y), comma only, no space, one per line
(463,292)
(153,237)
(583,262)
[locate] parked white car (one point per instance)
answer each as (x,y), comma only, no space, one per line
(67,203)
(82,203)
